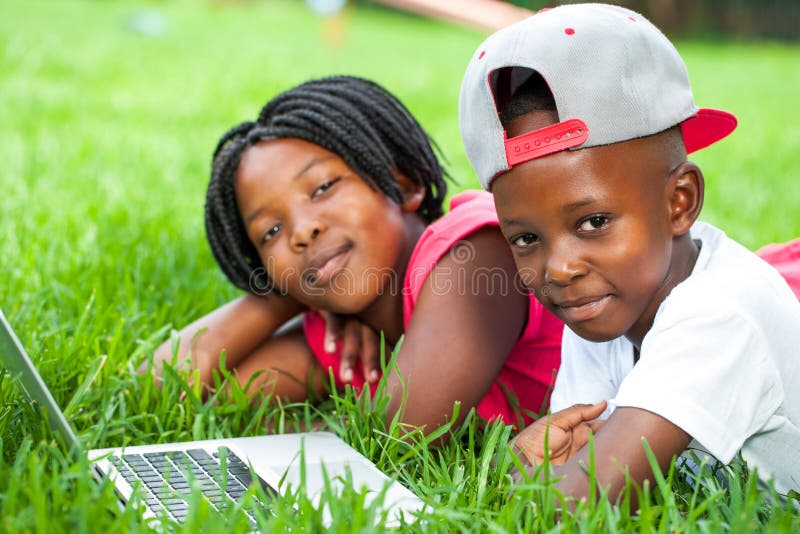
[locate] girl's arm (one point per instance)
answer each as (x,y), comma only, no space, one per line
(238,327)
(467,318)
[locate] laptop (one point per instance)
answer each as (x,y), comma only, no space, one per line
(163,474)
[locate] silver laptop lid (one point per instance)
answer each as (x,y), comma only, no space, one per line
(17,361)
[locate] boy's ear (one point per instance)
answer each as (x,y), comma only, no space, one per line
(686,188)
(413,194)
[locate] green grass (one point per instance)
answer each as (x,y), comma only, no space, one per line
(105,148)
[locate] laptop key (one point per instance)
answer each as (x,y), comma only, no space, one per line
(142,469)
(180,515)
(214,475)
(245,479)
(148,476)
(156,508)
(235,485)
(177,456)
(162,492)
(174,478)
(128,475)
(217,499)
(198,454)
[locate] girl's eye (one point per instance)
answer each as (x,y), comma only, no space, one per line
(595,222)
(324,187)
(270,233)
(525,240)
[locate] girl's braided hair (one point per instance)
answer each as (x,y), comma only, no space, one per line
(357,120)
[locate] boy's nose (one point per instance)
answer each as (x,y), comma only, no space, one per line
(562,267)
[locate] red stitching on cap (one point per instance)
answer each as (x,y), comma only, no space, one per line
(545,141)
(569,31)
(483,53)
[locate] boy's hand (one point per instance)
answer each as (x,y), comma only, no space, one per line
(359,341)
(568,433)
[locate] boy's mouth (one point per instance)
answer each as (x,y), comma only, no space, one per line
(324,265)
(578,310)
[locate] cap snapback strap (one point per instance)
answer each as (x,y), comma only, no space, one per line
(544,141)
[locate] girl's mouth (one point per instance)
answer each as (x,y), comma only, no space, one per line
(328,264)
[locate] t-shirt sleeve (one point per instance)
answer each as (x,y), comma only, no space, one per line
(707,371)
(586,374)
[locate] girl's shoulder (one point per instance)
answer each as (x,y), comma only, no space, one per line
(469,212)
(459,235)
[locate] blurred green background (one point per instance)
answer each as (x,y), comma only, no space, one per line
(110,111)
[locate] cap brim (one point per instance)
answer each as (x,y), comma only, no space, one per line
(706,127)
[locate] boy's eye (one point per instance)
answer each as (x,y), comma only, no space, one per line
(324,187)
(595,222)
(270,233)
(525,240)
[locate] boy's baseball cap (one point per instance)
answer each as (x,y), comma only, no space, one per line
(614,77)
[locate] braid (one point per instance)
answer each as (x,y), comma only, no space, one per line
(356,119)
(232,249)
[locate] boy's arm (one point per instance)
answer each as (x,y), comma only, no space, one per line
(618,447)
(462,330)
(560,435)
(237,327)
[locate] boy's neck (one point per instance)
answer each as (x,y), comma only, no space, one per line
(684,257)
(385,314)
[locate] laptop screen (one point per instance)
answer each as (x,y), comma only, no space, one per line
(17,361)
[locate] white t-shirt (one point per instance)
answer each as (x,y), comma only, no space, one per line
(721,361)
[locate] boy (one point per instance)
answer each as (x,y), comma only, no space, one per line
(579,120)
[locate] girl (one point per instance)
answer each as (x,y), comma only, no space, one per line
(329,202)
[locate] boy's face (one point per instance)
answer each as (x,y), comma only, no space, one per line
(590,232)
(324,236)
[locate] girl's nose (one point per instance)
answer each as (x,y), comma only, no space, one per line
(305,232)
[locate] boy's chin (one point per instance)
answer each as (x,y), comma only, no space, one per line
(595,333)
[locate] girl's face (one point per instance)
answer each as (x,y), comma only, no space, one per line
(324,236)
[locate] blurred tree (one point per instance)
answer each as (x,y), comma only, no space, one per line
(773,19)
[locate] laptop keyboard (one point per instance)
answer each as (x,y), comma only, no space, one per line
(166,486)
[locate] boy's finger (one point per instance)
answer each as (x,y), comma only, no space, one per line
(595,410)
(577,414)
(370,354)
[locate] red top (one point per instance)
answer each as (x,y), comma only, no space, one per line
(530,369)
(786,259)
